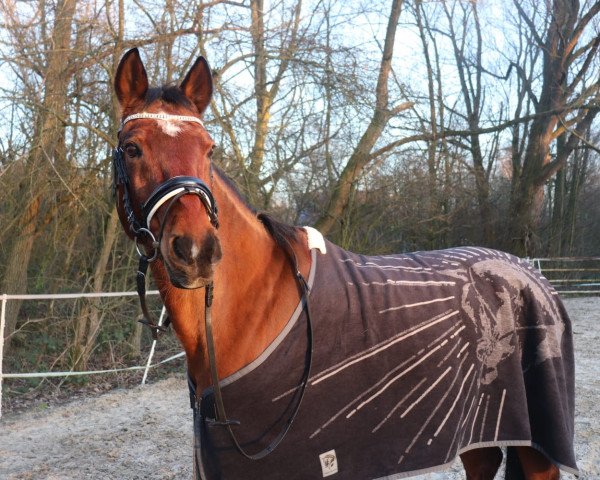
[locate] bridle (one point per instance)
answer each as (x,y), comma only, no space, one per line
(172,189)
(169,192)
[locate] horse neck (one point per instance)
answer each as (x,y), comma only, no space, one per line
(255,292)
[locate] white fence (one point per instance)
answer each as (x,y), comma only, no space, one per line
(5,298)
(571,275)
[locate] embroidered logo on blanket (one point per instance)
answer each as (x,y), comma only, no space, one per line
(329,463)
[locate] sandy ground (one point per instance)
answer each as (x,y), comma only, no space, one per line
(145,432)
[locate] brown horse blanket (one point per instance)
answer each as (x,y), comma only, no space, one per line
(417,358)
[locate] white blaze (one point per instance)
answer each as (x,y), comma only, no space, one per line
(170,126)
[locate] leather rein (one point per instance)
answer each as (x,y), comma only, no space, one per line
(171,191)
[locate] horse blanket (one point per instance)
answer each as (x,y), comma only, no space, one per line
(417,358)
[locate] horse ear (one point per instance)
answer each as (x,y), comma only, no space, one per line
(131,81)
(197,84)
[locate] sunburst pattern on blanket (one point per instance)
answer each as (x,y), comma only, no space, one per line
(416,358)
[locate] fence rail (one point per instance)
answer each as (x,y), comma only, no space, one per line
(568,275)
(571,275)
(4,298)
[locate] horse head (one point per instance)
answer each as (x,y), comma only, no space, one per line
(163,170)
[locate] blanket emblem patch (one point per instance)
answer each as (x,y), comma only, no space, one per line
(329,463)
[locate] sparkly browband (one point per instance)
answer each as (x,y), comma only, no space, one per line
(161,116)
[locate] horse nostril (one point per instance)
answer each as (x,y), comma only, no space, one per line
(182,248)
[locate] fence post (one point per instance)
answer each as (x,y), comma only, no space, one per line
(160,320)
(2,322)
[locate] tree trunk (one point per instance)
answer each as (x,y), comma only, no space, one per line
(555,245)
(527,191)
(265,96)
(473,98)
(15,276)
(578,175)
(561,39)
(435,202)
(361,156)
(47,146)
(88,323)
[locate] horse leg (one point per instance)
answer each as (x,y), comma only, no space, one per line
(481,463)
(535,465)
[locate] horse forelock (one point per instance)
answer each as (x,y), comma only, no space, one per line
(169,94)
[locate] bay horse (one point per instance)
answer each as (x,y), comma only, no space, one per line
(332,363)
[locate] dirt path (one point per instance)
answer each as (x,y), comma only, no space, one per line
(145,432)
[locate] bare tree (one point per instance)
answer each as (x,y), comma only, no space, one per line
(566,102)
(381,146)
(470,72)
(88,321)
(47,153)
(382,113)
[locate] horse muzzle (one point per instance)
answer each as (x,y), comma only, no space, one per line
(189,258)
(189,263)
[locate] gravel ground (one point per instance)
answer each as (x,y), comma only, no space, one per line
(145,432)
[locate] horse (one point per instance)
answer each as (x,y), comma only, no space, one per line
(321,362)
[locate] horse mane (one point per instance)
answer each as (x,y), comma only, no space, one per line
(281,232)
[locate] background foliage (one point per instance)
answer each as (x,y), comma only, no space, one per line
(391,126)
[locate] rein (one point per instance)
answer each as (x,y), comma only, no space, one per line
(221,419)
(171,191)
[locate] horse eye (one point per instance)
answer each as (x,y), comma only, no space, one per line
(132,150)
(211,151)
